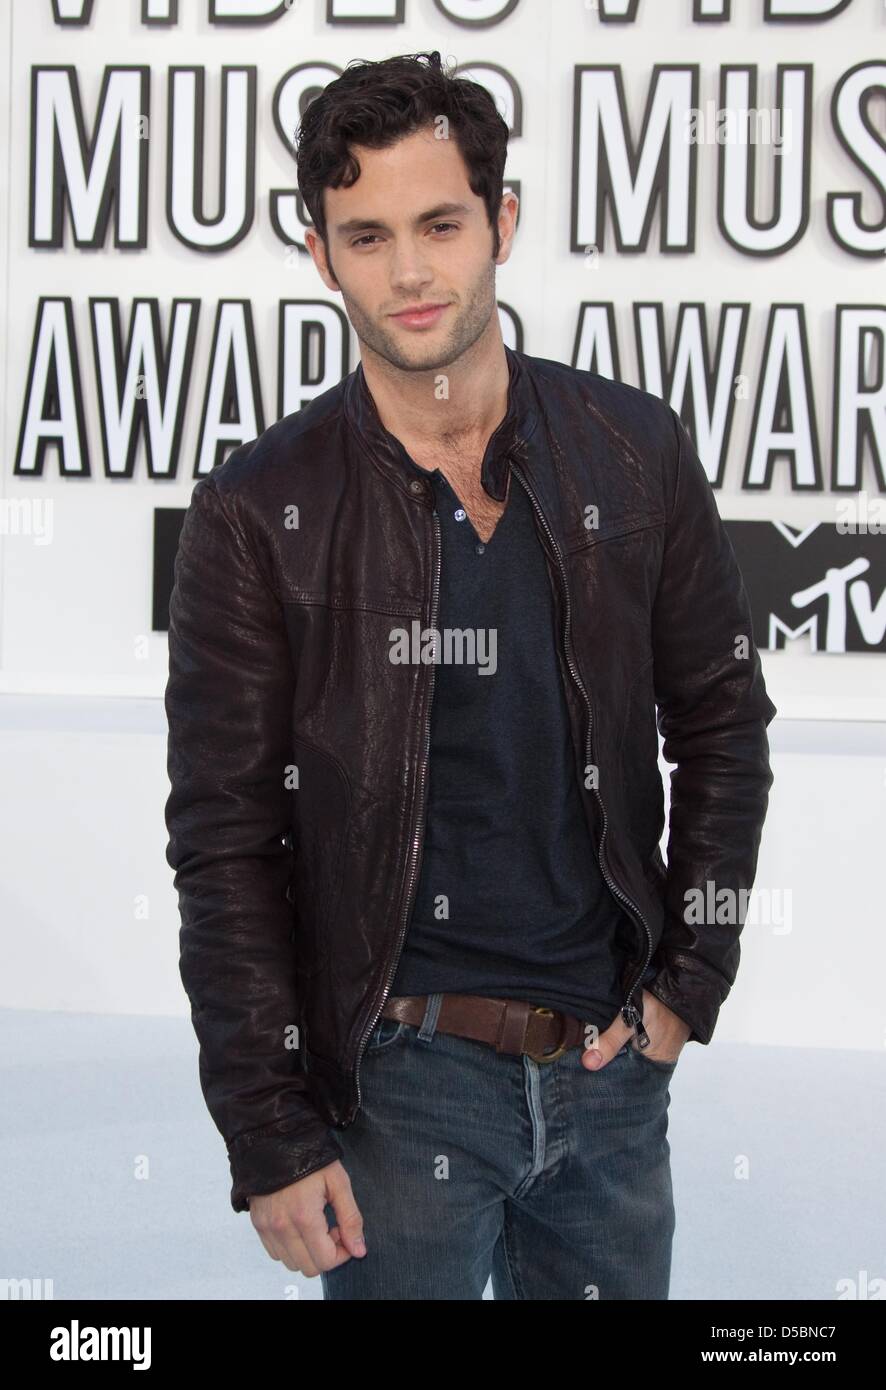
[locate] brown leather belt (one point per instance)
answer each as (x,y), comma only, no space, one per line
(509,1025)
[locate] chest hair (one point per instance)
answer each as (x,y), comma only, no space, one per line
(484,512)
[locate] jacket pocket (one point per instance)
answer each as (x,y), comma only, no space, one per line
(611,528)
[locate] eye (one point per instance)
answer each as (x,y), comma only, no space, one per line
(369,237)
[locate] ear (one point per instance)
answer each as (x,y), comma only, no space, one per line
(507,225)
(317,248)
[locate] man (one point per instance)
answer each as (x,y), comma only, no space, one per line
(439,973)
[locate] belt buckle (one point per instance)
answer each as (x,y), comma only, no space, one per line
(561,1046)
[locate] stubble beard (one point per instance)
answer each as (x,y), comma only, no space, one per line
(469,321)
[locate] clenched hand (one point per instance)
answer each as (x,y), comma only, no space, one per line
(292,1223)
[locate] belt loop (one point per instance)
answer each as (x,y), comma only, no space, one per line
(429,1022)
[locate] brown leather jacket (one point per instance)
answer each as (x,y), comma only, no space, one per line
(298,749)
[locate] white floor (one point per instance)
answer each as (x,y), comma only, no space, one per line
(777,1158)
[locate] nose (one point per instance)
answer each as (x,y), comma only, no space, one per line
(409,267)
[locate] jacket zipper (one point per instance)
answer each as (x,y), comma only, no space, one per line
(412,875)
(629,1011)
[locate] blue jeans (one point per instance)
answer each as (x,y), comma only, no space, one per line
(467,1163)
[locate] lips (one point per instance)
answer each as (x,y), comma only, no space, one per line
(420,317)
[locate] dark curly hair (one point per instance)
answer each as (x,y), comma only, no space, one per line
(378,103)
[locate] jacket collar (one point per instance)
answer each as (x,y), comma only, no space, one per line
(510,436)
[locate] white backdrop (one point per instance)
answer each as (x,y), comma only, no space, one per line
(89,915)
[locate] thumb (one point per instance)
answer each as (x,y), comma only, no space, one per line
(348,1217)
(600,1053)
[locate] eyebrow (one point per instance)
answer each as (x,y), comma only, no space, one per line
(363,224)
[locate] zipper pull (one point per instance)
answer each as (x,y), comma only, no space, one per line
(632,1017)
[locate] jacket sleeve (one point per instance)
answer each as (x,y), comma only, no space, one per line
(228,705)
(713,713)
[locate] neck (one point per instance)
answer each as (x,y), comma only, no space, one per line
(462,416)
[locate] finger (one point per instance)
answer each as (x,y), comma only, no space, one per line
(349,1219)
(311,1269)
(280,1235)
(321,1250)
(607,1046)
(294,1253)
(296,1257)
(270,1245)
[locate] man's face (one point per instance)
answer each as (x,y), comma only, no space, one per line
(411,233)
